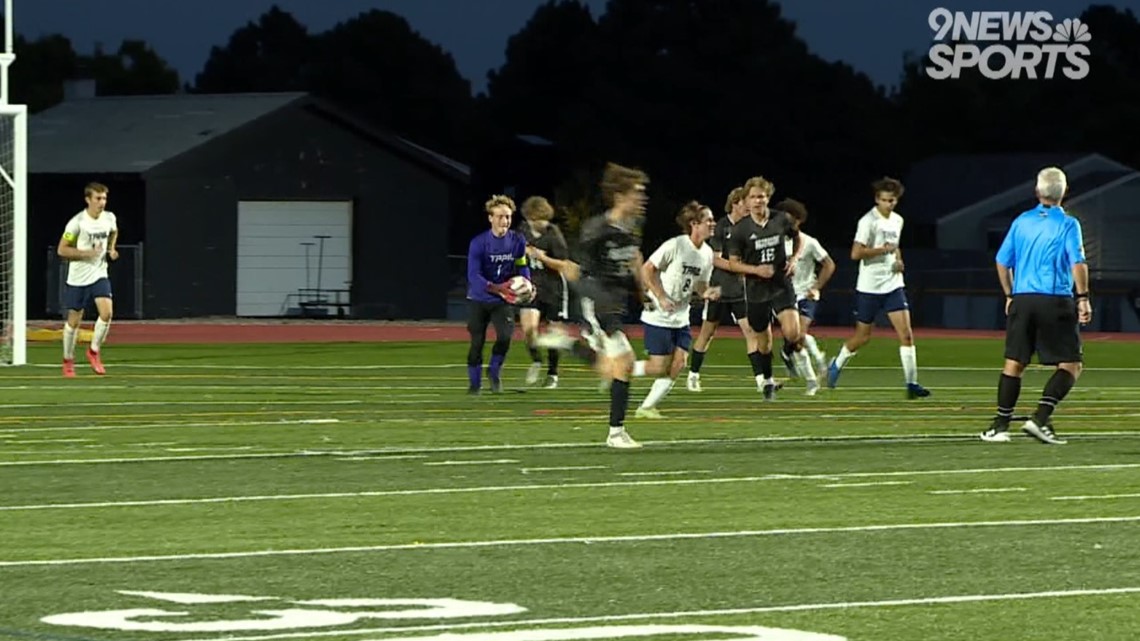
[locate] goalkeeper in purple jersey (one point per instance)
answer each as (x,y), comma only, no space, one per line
(493,258)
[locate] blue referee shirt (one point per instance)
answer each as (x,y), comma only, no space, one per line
(1041,248)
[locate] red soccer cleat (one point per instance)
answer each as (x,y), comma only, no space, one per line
(96,362)
(69,368)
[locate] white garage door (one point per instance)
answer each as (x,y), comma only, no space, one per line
(272,266)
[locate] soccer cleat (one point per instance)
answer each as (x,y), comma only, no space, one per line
(69,368)
(532,373)
(648,412)
(833,374)
(96,362)
(914,390)
(997,433)
(551,381)
(1043,433)
(769,391)
(812,388)
(473,391)
(496,382)
(788,365)
(622,441)
(693,383)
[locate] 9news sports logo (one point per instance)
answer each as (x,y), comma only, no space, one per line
(1025,44)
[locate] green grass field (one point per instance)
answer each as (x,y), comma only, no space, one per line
(341,492)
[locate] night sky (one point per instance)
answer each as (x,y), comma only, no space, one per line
(870,35)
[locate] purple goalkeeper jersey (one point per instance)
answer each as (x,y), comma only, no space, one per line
(492,259)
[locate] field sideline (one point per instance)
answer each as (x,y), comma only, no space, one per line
(228,482)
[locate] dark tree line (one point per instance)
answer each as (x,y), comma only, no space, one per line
(701,93)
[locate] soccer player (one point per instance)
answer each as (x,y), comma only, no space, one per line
(681,266)
(730,307)
(87,244)
(493,258)
(549,259)
(880,285)
(757,250)
(1045,252)
(813,270)
(610,273)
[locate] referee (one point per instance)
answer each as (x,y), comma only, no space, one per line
(1040,260)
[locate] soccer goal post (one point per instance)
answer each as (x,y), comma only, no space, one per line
(13,212)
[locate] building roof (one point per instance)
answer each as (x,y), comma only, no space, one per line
(132,134)
(943,184)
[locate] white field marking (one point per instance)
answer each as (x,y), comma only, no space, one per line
(147,426)
(981,490)
(561,468)
(665,473)
(869,484)
(204,401)
(739,368)
(641,616)
(236,448)
(1095,497)
(381,457)
(862,438)
(589,540)
(545,486)
(162,444)
(52,440)
(497,461)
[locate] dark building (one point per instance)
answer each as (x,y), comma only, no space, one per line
(246,205)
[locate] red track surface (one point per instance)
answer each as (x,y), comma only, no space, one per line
(143,332)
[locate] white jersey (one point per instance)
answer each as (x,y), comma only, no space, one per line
(681,266)
(811,257)
(87,232)
(877,275)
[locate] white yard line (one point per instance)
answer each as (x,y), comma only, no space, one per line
(558,487)
(981,490)
(588,540)
(561,468)
(147,426)
(497,461)
(435,366)
(665,473)
(869,484)
(316,400)
(643,616)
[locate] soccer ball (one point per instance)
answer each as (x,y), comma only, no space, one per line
(522,287)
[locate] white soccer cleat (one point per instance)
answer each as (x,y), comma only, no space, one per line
(1043,433)
(648,412)
(533,372)
(693,382)
(622,441)
(821,363)
(551,381)
(812,388)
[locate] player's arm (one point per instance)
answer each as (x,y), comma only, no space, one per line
(651,276)
(735,251)
(1075,251)
(861,249)
(899,266)
(702,288)
(1004,261)
(826,271)
(67,249)
(797,252)
(522,265)
(112,241)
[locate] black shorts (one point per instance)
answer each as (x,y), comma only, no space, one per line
(724,311)
(480,315)
(548,310)
(1043,324)
(602,306)
(765,304)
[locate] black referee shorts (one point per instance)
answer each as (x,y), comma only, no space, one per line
(1043,324)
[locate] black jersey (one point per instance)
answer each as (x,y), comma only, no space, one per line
(731,285)
(758,244)
(607,253)
(553,243)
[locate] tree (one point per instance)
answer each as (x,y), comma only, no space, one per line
(273,54)
(36,78)
(134,70)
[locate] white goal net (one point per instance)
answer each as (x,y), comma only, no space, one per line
(13,212)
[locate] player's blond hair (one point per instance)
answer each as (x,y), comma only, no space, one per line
(760,182)
(890,185)
(93,188)
(1052,184)
(498,200)
(734,196)
(537,208)
(617,179)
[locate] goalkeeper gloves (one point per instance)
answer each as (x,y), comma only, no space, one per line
(504,291)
